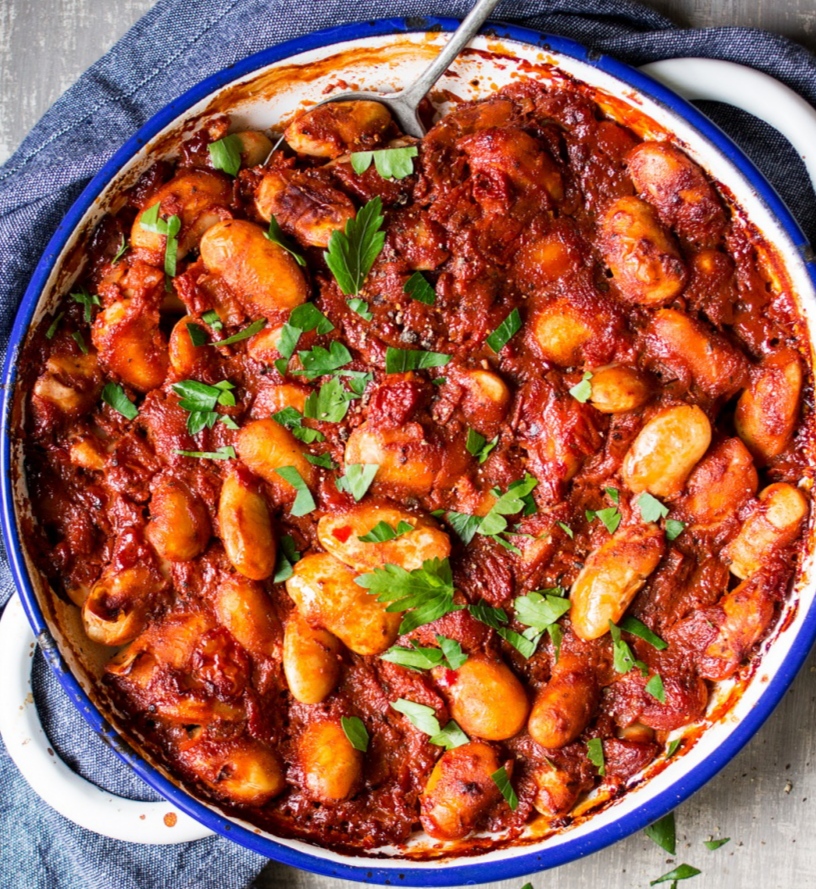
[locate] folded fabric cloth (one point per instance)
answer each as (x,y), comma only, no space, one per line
(172,48)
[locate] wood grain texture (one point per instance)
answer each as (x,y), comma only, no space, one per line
(793,18)
(765,800)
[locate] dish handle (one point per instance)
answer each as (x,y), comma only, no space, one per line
(49,777)
(746,88)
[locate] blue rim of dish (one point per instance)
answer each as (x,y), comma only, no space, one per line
(366,870)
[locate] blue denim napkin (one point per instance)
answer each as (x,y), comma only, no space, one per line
(173,47)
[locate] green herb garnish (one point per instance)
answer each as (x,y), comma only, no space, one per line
(502,780)
(287,556)
(401,360)
(390,163)
(352,253)
(211,318)
(87,301)
(318,362)
(425,594)
(170,229)
(638,628)
(595,754)
(419,658)
(245,334)
(450,736)
(225,453)
(77,337)
(655,688)
(275,234)
(488,614)
(121,251)
(683,872)
(355,731)
(200,400)
(651,509)
(418,288)
(507,329)
(420,716)
(382,532)
(622,657)
(292,419)
(323,460)
(302,319)
(225,154)
(357,479)
(477,445)
(515,500)
(330,403)
(114,395)
(610,517)
(52,327)
(304,501)
(664,833)
(360,306)
(198,336)
(582,391)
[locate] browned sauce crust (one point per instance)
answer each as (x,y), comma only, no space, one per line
(651,404)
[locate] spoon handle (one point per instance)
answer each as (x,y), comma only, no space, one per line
(458,40)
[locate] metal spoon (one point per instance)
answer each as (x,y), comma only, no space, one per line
(404,104)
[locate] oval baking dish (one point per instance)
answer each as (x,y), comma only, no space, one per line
(260,93)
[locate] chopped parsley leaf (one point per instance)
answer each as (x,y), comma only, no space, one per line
(292,419)
(225,154)
(401,360)
(651,509)
(360,306)
(477,445)
(224,453)
(287,556)
(355,731)
(318,362)
(425,594)
(382,532)
(275,234)
(582,391)
(357,479)
(304,501)
(77,337)
(664,833)
(390,163)
(87,301)
(52,327)
(638,628)
(418,288)
(595,754)
(622,657)
(655,688)
(114,395)
(502,780)
(200,400)
(198,336)
(245,334)
(505,331)
(683,872)
(352,253)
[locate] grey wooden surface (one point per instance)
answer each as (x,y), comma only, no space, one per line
(765,800)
